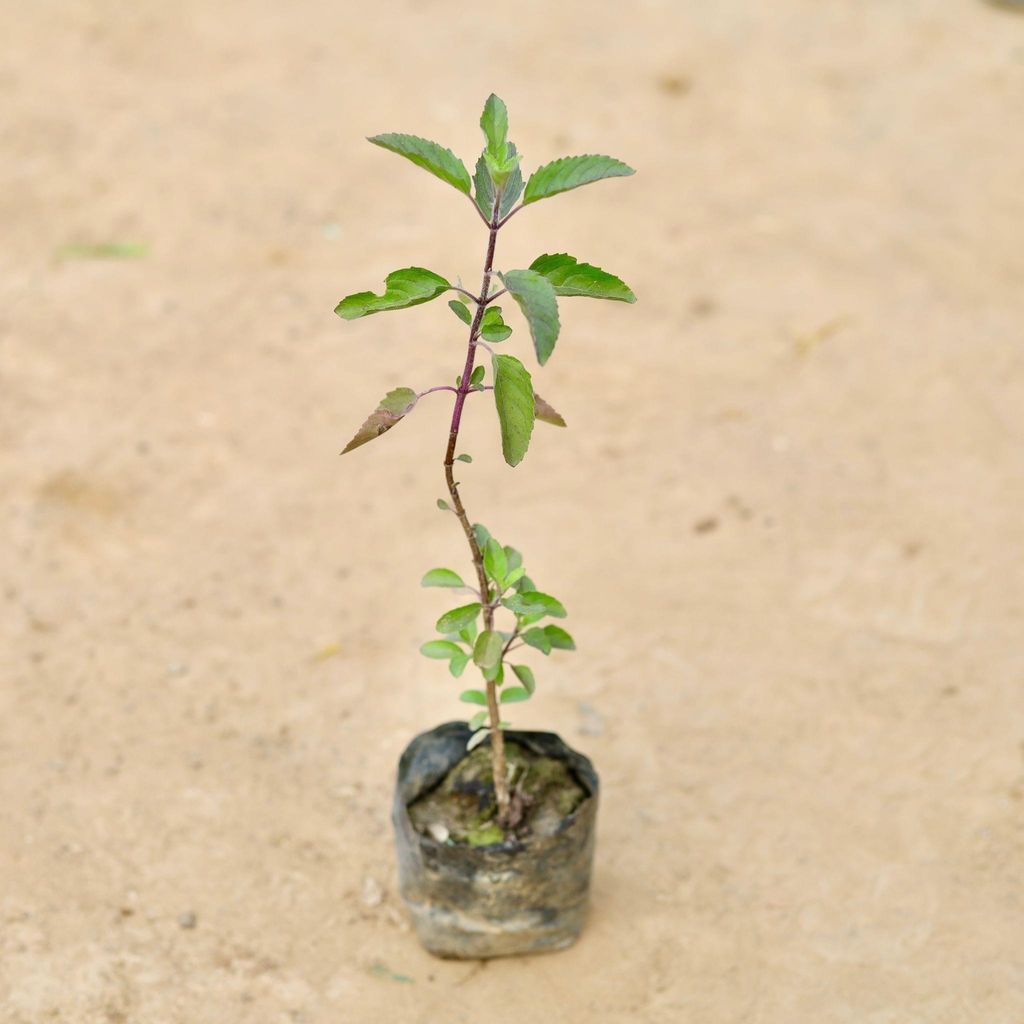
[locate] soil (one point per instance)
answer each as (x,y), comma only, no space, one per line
(463,809)
(785,516)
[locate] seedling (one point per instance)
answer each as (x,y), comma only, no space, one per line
(506,611)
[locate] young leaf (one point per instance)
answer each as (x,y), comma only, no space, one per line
(461,310)
(482,535)
(514,576)
(473,697)
(443,505)
(524,584)
(495,333)
(539,639)
(494,673)
(392,407)
(442,578)
(495,562)
(458,664)
(463,458)
(514,694)
(441,649)
(545,412)
(568,277)
(525,675)
(494,122)
(477,738)
(477,720)
(513,398)
(429,155)
(468,633)
(551,606)
(570,172)
(535,296)
(513,558)
(477,378)
(559,639)
(510,193)
(403,288)
(488,648)
(453,621)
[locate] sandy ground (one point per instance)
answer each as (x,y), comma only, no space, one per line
(786,517)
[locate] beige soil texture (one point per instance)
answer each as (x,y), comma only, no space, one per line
(786,516)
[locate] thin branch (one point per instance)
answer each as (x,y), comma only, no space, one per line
(478,210)
(440,387)
(511,213)
(494,296)
(469,295)
(483,344)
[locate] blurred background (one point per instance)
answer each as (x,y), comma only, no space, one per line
(785,516)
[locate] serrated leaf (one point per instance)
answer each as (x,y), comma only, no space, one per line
(458,664)
(513,398)
(570,277)
(539,639)
(390,410)
(461,310)
(570,172)
(441,649)
(495,562)
(494,122)
(477,720)
(442,578)
(453,621)
(488,648)
(559,638)
(535,296)
(545,412)
(473,697)
(525,675)
(402,289)
(477,378)
(429,155)
(514,694)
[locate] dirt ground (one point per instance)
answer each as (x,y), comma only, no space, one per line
(786,515)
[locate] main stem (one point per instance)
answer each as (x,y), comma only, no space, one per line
(497,738)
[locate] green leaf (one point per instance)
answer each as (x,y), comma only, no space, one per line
(461,310)
(494,673)
(494,122)
(443,505)
(390,410)
(511,192)
(485,835)
(468,633)
(403,288)
(488,648)
(482,535)
(495,562)
(495,334)
(568,277)
(458,664)
(551,605)
(513,398)
(524,584)
(514,694)
(492,326)
(477,720)
(478,376)
(442,578)
(514,576)
(464,458)
(473,697)
(559,638)
(545,412)
(441,649)
(570,172)
(539,639)
(513,557)
(535,296)
(429,155)
(453,621)
(525,675)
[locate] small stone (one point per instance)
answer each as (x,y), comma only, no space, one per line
(373,895)
(438,832)
(187,920)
